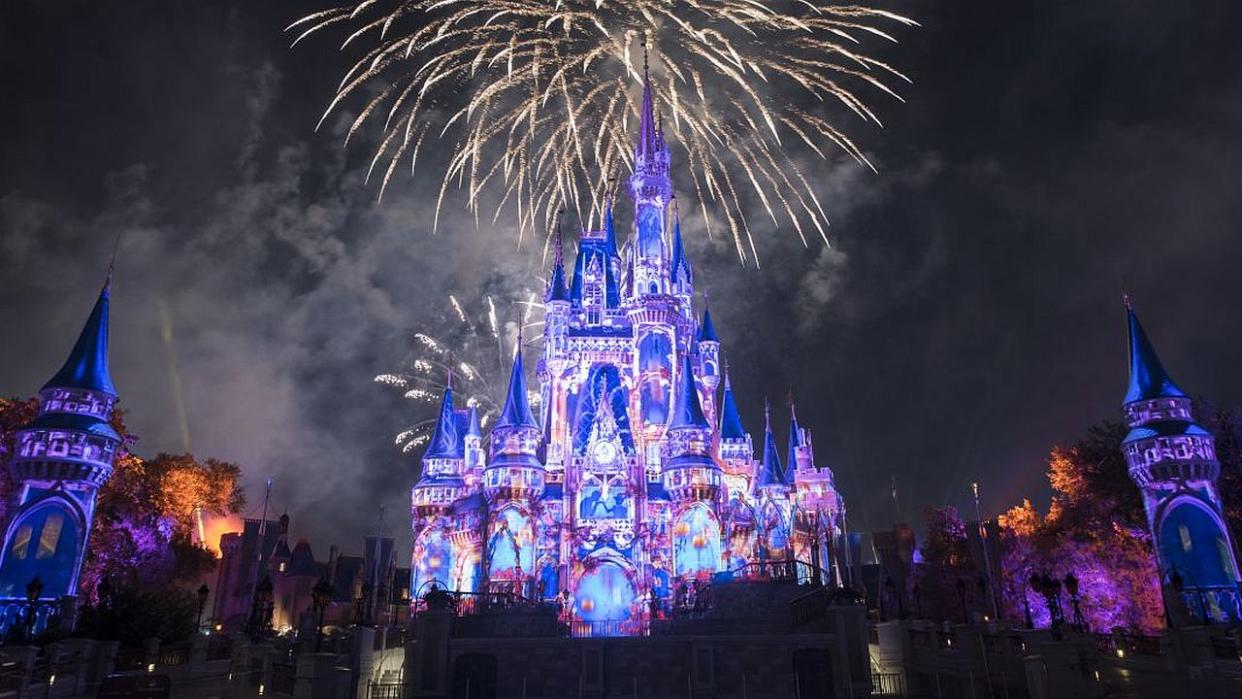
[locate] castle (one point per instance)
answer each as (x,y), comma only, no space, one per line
(636,482)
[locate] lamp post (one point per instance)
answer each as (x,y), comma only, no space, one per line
(961,596)
(1028,585)
(203,591)
(260,610)
(987,560)
(34,588)
(918,601)
(1071,587)
(360,614)
(321,597)
(1179,584)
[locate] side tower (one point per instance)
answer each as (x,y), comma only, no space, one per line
(772,499)
(62,459)
(1173,462)
(435,559)
(692,479)
(513,483)
(818,505)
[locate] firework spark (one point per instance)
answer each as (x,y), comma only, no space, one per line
(535,96)
(465,353)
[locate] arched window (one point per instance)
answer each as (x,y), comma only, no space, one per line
(696,543)
(44,544)
(510,546)
(433,560)
(604,593)
(1193,542)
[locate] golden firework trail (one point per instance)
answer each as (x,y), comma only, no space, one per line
(534,96)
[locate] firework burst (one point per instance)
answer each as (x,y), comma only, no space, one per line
(535,96)
(474,353)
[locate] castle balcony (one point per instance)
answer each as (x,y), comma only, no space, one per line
(1156,410)
(513,481)
(692,482)
(54,455)
(658,309)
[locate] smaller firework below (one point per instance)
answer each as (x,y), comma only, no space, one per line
(471,353)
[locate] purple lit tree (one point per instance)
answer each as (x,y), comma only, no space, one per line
(1095,529)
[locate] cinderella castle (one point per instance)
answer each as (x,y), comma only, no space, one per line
(637,481)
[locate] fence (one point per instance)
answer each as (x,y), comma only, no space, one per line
(608,627)
(385,690)
(888,684)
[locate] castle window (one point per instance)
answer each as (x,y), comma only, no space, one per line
(50,536)
(1184,533)
(21,542)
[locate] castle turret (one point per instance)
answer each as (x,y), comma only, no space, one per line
(442,480)
(708,356)
(514,472)
(690,473)
(735,444)
(475,455)
(62,458)
(557,302)
(1173,461)
(771,476)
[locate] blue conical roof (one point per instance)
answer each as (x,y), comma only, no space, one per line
(707,329)
(474,430)
(647,130)
(730,419)
(681,264)
(516,412)
(688,412)
(795,441)
(445,442)
(770,471)
(1148,379)
(558,290)
(610,230)
(87,365)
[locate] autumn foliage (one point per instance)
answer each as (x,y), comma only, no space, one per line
(1095,527)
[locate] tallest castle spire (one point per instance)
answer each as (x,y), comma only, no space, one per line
(651,188)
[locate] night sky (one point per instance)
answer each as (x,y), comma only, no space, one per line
(967,319)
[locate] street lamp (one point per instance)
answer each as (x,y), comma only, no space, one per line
(1031,583)
(1179,584)
(260,613)
(1071,586)
(203,591)
(34,588)
(361,613)
(321,597)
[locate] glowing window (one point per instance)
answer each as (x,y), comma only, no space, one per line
(50,536)
(21,542)
(1184,532)
(282,566)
